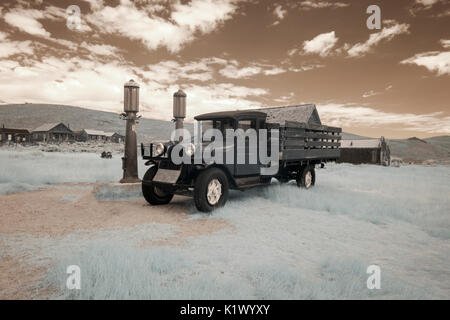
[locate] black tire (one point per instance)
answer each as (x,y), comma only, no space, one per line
(154,195)
(303,181)
(201,189)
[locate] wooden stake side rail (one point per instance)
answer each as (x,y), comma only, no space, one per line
(304,141)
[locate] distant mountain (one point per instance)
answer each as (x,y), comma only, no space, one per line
(415,149)
(351,136)
(31,116)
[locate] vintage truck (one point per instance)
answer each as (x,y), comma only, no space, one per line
(302,145)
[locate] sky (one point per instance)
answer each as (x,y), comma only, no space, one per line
(233,54)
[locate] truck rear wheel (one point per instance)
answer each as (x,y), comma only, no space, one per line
(211,190)
(154,195)
(306,177)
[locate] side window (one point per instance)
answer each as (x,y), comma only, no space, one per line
(227,124)
(246,124)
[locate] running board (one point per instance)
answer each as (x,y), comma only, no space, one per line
(249,182)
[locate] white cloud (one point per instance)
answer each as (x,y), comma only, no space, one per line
(170,72)
(427,3)
(445,43)
(279,14)
(372,93)
(203,15)
(306,67)
(26,20)
(307,5)
(233,72)
(98,85)
(354,116)
(100,49)
(321,44)
(9,48)
(434,61)
(186,21)
(274,71)
(387,33)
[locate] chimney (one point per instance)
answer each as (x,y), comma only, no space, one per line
(179,108)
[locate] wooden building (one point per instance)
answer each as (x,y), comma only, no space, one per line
(91,135)
(114,137)
(13,135)
(97,135)
(371,151)
(52,132)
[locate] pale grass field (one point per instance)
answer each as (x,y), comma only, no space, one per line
(278,242)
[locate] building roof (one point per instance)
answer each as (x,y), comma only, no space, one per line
(46,127)
(362,143)
(304,113)
(14,130)
(110,134)
(231,114)
(94,132)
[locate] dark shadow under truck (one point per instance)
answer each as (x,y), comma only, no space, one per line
(302,146)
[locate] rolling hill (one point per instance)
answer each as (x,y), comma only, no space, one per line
(31,116)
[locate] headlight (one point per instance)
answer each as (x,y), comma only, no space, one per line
(189,149)
(159,150)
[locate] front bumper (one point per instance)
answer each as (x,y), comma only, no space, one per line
(175,188)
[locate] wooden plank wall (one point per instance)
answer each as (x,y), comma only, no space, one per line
(304,141)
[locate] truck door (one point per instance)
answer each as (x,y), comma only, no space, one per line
(246,147)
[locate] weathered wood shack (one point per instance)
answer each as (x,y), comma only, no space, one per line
(14,135)
(91,135)
(114,137)
(52,132)
(371,151)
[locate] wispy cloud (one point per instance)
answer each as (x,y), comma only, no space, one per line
(9,48)
(233,71)
(98,85)
(279,12)
(308,5)
(445,43)
(27,20)
(186,21)
(372,93)
(359,116)
(434,61)
(386,34)
(321,44)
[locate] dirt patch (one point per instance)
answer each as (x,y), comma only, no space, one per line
(68,208)
(54,212)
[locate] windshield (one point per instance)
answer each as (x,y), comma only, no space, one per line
(221,125)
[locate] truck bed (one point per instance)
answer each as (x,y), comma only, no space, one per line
(301,141)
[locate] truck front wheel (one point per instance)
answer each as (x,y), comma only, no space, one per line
(154,195)
(306,177)
(210,190)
